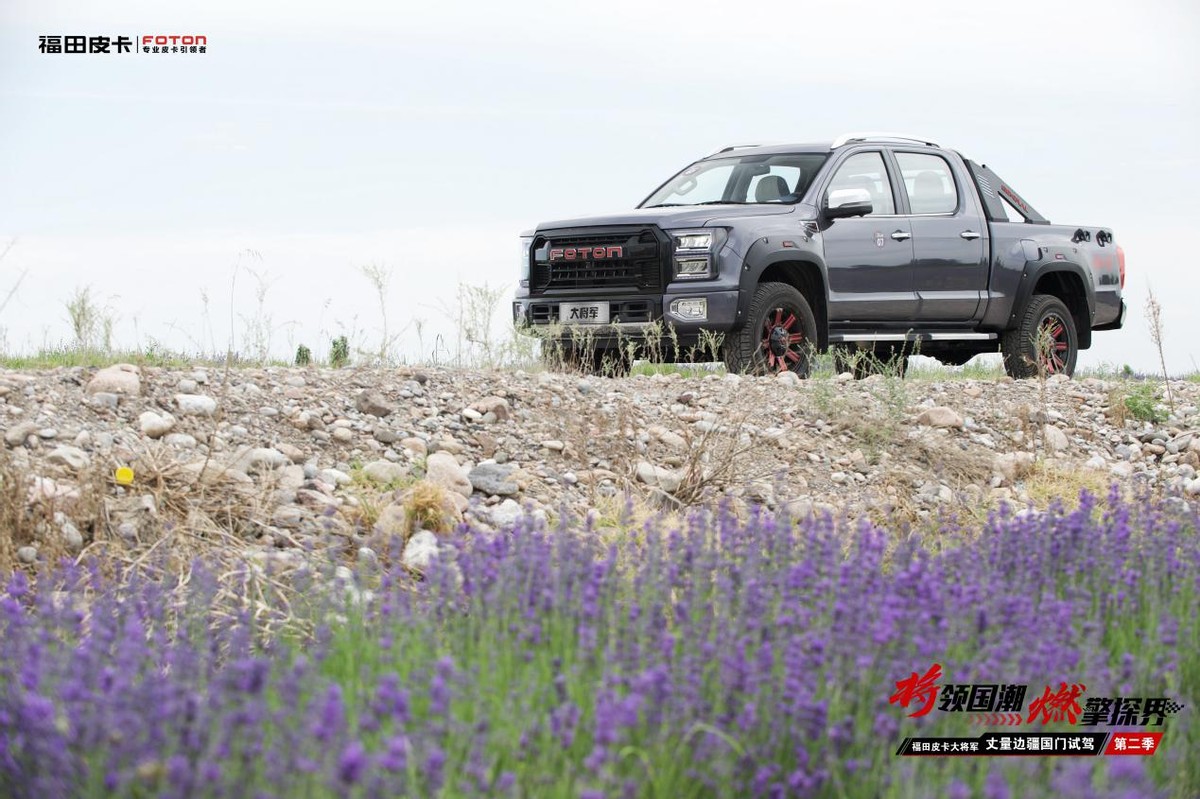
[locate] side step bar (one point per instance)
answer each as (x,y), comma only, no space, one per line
(914,335)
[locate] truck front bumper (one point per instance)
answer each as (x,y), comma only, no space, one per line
(632,317)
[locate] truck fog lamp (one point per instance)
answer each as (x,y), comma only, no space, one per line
(692,308)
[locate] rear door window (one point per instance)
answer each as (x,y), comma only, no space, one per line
(928,182)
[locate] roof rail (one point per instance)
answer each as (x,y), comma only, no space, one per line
(848,138)
(732,147)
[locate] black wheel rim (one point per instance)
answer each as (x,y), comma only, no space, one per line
(1054,340)
(782,338)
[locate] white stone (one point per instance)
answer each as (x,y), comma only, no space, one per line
(120,378)
(384,471)
(155,425)
(1055,439)
(420,550)
(506,514)
(442,468)
(196,404)
(940,416)
(72,457)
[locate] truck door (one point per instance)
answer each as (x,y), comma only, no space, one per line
(869,258)
(950,237)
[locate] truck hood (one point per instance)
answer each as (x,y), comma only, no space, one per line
(682,216)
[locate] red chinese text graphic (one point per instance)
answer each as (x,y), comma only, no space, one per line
(919,687)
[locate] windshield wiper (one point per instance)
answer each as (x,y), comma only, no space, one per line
(666,205)
(723,202)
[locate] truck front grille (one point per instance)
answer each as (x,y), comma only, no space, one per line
(638,268)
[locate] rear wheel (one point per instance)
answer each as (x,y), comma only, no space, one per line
(780,334)
(1044,343)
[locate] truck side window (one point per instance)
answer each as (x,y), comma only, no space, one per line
(866,171)
(928,182)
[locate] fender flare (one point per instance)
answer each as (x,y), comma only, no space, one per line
(764,254)
(1034,272)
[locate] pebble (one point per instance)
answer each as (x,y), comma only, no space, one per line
(196,404)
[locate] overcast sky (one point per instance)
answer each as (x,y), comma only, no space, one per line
(425,137)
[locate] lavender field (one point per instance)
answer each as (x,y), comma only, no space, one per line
(725,659)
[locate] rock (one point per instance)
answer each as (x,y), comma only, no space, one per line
(1193,488)
(373,403)
(213,473)
(940,416)
(493,479)
(789,379)
(155,425)
(334,477)
(342,435)
(291,452)
(385,435)
(120,378)
(392,521)
(291,477)
(260,459)
(671,439)
(27,555)
(181,440)
(196,404)
(497,406)
(16,435)
(71,537)
(385,472)
(442,468)
(1055,439)
(420,550)
(554,445)
(105,400)
(288,517)
(665,479)
(73,458)
(1013,466)
(187,386)
(415,446)
(506,514)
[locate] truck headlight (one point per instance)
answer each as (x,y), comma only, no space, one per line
(526,244)
(695,252)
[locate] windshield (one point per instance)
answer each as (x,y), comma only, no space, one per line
(740,180)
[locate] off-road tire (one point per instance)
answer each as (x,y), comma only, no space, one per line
(1020,345)
(777,311)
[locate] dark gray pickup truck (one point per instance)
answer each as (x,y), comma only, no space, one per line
(765,255)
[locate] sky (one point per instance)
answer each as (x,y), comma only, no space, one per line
(212,198)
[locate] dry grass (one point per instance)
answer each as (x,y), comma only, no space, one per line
(169,519)
(1049,482)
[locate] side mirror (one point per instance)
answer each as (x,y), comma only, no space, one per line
(841,203)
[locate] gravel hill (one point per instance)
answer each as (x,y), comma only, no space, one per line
(280,461)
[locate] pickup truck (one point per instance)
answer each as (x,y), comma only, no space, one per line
(763,256)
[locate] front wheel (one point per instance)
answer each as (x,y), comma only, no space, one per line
(1044,343)
(780,334)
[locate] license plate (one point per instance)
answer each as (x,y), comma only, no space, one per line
(583,313)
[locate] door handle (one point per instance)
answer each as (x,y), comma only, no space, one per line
(970,235)
(901,235)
